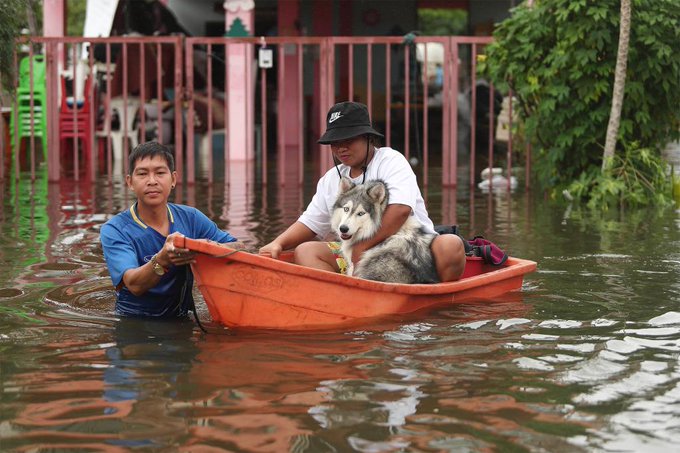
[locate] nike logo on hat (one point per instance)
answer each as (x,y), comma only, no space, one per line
(334,116)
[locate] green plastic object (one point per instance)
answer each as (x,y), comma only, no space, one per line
(28,125)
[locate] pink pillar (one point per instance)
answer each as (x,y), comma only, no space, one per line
(239,22)
(240,83)
(54,17)
(344,55)
(54,21)
(54,24)
(289,94)
(290,97)
(323,96)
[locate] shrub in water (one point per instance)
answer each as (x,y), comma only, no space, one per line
(558,57)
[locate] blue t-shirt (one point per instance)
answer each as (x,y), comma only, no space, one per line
(128,243)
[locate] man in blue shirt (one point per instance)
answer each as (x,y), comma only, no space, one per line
(152,277)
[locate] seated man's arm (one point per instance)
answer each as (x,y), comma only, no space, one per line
(295,235)
(394,217)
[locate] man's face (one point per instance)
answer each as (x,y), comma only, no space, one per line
(351,152)
(152,181)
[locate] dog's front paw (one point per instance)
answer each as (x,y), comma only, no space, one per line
(350,269)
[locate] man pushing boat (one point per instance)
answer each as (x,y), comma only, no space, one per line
(151,276)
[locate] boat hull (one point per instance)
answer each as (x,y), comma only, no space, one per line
(247,290)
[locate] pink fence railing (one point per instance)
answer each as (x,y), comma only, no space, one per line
(95,109)
(422,93)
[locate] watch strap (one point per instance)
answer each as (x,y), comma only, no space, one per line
(157,268)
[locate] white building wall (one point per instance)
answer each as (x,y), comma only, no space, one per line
(193,14)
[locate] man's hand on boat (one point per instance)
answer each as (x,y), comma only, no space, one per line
(295,235)
(175,255)
(272,249)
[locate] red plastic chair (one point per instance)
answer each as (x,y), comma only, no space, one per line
(74,120)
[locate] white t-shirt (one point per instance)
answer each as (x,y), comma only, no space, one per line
(388,165)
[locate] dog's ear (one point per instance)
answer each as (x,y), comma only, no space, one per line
(377,191)
(345,184)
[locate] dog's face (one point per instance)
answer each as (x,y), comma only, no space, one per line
(358,209)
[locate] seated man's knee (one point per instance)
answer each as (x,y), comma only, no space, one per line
(315,254)
(449,254)
(448,244)
(457,245)
(304,251)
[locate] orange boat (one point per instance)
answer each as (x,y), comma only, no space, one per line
(243,289)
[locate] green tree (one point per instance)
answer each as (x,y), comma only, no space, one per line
(559,58)
(12,20)
(75,18)
(442,22)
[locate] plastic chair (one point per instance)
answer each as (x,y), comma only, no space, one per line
(30,122)
(38,72)
(130,129)
(218,143)
(74,119)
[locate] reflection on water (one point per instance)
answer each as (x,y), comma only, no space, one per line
(584,358)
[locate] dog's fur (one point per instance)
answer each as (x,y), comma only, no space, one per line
(404,257)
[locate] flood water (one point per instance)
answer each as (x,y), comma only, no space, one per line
(584,358)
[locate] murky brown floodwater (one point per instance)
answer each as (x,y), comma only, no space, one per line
(584,358)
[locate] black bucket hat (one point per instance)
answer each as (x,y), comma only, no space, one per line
(347,120)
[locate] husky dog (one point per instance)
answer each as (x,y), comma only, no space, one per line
(404,257)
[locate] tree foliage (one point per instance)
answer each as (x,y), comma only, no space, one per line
(558,57)
(12,20)
(75,20)
(442,22)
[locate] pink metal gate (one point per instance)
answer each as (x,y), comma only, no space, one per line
(85,94)
(131,77)
(364,69)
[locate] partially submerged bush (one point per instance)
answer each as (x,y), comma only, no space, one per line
(636,177)
(558,58)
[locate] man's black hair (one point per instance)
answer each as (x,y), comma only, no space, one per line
(150,149)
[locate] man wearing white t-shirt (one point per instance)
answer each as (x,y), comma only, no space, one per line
(354,142)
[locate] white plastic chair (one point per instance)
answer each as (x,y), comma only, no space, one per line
(117,136)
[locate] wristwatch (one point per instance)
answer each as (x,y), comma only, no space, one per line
(157,268)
